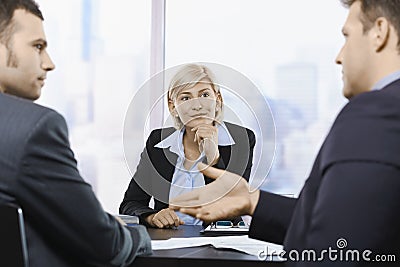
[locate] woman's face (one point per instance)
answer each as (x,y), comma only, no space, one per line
(196,105)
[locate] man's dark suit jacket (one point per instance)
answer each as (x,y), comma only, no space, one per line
(353,191)
(157,165)
(64,222)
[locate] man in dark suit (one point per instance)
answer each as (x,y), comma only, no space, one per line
(64,222)
(348,210)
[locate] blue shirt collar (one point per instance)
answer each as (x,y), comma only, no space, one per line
(385,81)
(174,141)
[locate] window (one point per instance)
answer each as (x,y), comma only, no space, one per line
(287,48)
(101,50)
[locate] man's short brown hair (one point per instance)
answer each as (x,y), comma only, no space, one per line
(7,8)
(373,9)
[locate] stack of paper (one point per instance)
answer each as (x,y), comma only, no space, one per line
(240,243)
(210,230)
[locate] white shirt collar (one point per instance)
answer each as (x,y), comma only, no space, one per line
(174,141)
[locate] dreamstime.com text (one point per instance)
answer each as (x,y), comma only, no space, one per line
(340,253)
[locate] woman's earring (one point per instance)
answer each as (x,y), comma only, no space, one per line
(176,115)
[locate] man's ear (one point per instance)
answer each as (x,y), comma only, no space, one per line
(381,33)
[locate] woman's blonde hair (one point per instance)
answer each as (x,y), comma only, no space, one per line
(187,77)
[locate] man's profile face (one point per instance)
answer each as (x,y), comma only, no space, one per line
(355,54)
(24,61)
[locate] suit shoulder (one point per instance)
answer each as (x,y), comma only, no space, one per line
(24,114)
(366,129)
(157,135)
(375,102)
(19,107)
(234,126)
(376,108)
(21,121)
(237,129)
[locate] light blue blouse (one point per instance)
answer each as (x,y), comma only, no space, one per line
(184,180)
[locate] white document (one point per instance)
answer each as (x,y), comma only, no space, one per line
(240,243)
(235,230)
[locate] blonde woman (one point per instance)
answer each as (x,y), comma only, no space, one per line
(168,164)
